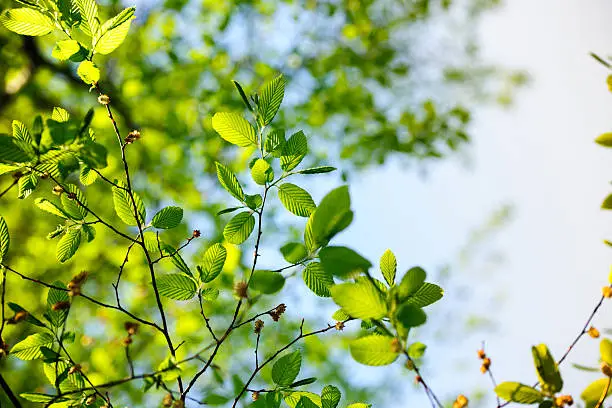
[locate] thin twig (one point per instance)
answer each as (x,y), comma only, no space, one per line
(11,396)
(6,190)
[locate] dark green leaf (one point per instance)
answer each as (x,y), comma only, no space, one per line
(57,318)
(410,316)
(267,281)
(330,397)
(331,216)
(294,252)
(124,206)
(68,245)
(517,392)
(411,282)
(5,238)
(343,262)
(546,367)
(294,151)
(286,369)
(317,170)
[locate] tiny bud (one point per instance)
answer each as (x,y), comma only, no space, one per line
(72,196)
(339,326)
(240,289)
(131,328)
(178,404)
(486,363)
(62,305)
(196,234)
(563,400)
(462,401)
(483,369)
(167,401)
(127,341)
(58,190)
(396,346)
(481,354)
(606,291)
(255,396)
(259,324)
(76,291)
(20,316)
(132,136)
(278,312)
(90,400)
(418,379)
(609,82)
(104,99)
(606,369)
(78,279)
(409,365)
(44,175)
(593,332)
(75,369)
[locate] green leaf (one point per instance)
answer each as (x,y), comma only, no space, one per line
(427,294)
(30,318)
(296,200)
(168,217)
(210,294)
(306,402)
(302,382)
(547,369)
(594,391)
(262,172)
(5,238)
(294,151)
(388,266)
(607,203)
(228,210)
(243,95)
(124,207)
(29,348)
(330,397)
(229,181)
(275,141)
(214,259)
(604,139)
(171,371)
(253,201)
(113,32)
(317,170)
(89,231)
(359,405)
(343,262)
(57,318)
(27,21)
(38,397)
(87,176)
(360,300)
(239,228)
(517,392)
(22,137)
(68,245)
(234,128)
(71,205)
(317,279)
(267,281)
(27,184)
(8,168)
(410,315)
(294,252)
(374,350)
(88,10)
(70,382)
(417,350)
(605,351)
(10,151)
(65,49)
(331,216)
(271,98)
(286,369)
(50,207)
(176,286)
(60,115)
(89,72)
(93,154)
(340,315)
(412,281)
(294,398)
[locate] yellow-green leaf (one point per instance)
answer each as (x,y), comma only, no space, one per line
(27,21)
(374,350)
(89,73)
(234,128)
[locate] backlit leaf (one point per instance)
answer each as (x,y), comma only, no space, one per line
(296,199)
(374,350)
(27,21)
(176,286)
(239,228)
(234,128)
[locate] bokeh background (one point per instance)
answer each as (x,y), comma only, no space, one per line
(464,128)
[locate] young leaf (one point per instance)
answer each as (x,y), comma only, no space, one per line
(176,286)
(294,398)
(71,206)
(27,21)
(317,170)
(427,294)
(22,137)
(89,231)
(317,279)
(68,245)
(520,393)
(605,351)
(38,397)
(214,259)
(262,172)
(604,139)
(275,142)
(294,151)
(113,32)
(168,217)
(243,95)
(547,368)
(89,72)
(228,210)
(267,282)
(4,238)
(286,369)
(594,391)
(210,294)
(10,151)
(88,10)
(234,128)
(417,350)
(27,184)
(330,397)
(294,252)
(239,228)
(374,350)
(29,348)
(331,216)
(296,200)
(411,282)
(30,318)
(607,203)
(124,207)
(271,98)
(65,49)
(57,318)
(360,300)
(229,181)
(388,266)
(87,176)
(306,402)
(410,316)
(342,261)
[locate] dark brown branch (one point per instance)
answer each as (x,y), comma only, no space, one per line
(9,393)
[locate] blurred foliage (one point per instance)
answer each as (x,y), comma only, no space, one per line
(370,80)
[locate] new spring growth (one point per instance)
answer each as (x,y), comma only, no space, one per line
(460,402)
(240,289)
(104,99)
(593,332)
(74,369)
(278,312)
(606,369)
(167,401)
(339,326)
(133,136)
(132,329)
(196,233)
(61,305)
(90,400)
(20,316)
(564,400)
(58,190)
(259,324)
(396,346)
(178,404)
(606,291)
(4,347)
(255,396)
(486,361)
(76,282)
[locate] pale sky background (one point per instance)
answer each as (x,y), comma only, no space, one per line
(538,156)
